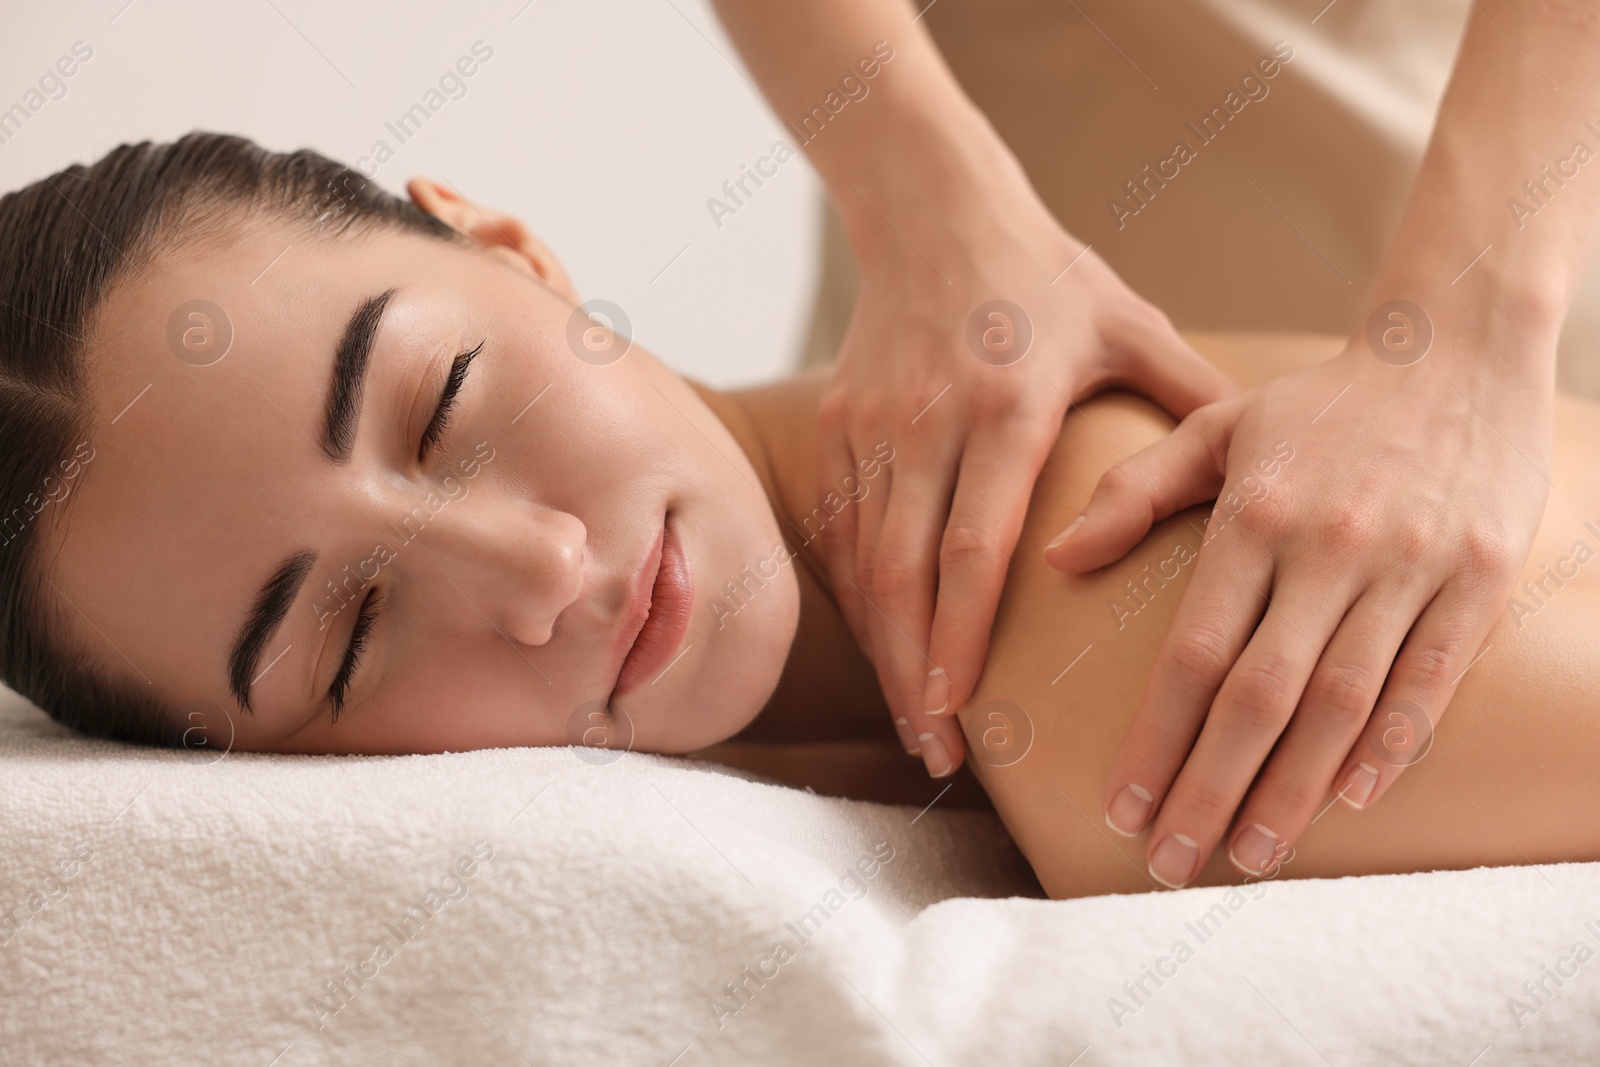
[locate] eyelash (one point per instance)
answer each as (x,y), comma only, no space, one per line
(447,400)
(352,653)
(369,608)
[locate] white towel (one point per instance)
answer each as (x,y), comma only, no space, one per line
(530,906)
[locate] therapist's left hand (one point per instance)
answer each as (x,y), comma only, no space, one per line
(948,387)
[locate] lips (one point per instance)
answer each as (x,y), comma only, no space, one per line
(662,598)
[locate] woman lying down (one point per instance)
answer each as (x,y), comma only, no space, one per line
(298,467)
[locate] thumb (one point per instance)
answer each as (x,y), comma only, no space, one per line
(1160,364)
(1186,467)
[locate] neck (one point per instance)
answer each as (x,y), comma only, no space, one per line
(775,425)
(828,690)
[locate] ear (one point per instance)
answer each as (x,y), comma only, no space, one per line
(502,236)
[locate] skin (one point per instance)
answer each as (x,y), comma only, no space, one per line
(1507,777)
(510,598)
(1424,486)
(1383,608)
(942,219)
(507,605)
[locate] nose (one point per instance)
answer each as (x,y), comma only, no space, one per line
(516,563)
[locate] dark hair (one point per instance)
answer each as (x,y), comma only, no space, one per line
(65,242)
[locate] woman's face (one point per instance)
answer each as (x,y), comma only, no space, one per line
(492,565)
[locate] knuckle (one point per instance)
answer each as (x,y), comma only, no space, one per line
(1155,319)
(1349,529)
(1207,416)
(1486,554)
(833,410)
(1202,803)
(1293,795)
(969,546)
(1202,421)
(838,537)
(1345,692)
(1198,656)
(843,556)
(1265,518)
(864,419)
(1259,695)
(999,401)
(1119,478)
(1142,317)
(1430,666)
(1413,542)
(866,565)
(1017,406)
(894,574)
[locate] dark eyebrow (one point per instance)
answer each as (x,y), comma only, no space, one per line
(349,370)
(271,605)
(338,433)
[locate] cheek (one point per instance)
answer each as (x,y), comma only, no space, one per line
(747,632)
(741,626)
(590,436)
(457,700)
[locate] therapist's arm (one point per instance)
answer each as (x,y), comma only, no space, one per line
(1373,512)
(942,222)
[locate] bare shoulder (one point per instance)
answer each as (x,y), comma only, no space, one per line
(1069,657)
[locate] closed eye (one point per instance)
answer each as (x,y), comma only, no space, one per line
(352,653)
(447,400)
(340,687)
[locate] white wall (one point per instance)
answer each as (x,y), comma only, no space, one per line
(605,125)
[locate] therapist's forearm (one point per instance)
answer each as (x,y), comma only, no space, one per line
(1513,114)
(914,149)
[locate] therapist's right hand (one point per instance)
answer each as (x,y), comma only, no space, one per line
(1371,521)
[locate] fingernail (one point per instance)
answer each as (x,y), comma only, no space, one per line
(903,728)
(1255,850)
(1061,538)
(935,756)
(936,698)
(1172,863)
(1358,790)
(1130,810)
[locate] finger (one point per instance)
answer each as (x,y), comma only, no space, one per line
(903,585)
(1292,792)
(1182,469)
(837,535)
(941,744)
(908,737)
(1214,620)
(1445,641)
(1167,369)
(1252,709)
(998,471)
(867,515)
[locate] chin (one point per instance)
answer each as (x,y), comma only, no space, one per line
(733,683)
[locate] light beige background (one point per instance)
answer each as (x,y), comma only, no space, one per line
(606,125)
(1278,223)
(609,124)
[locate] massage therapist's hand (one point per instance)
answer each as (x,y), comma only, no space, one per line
(1370,523)
(942,220)
(967,397)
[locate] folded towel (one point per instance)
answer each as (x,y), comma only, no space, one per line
(545,906)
